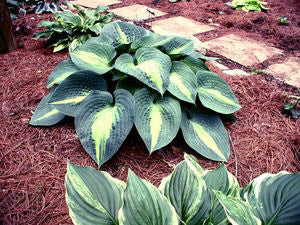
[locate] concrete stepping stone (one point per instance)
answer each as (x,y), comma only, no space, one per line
(95,3)
(218,65)
(199,46)
(180,24)
(246,52)
(236,72)
(137,12)
(289,71)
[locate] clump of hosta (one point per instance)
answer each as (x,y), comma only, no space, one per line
(71,29)
(249,5)
(129,76)
(189,195)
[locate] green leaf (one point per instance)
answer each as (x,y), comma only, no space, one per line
(214,93)
(122,33)
(182,82)
(178,46)
(69,18)
(68,96)
(195,64)
(221,180)
(100,9)
(93,197)
(60,47)
(152,68)
(237,211)
(198,55)
(150,41)
(205,133)
(187,193)
(275,198)
(144,204)
(157,119)
(96,28)
(61,72)
(102,123)
(94,56)
(45,114)
(46,23)
(42,34)
(194,165)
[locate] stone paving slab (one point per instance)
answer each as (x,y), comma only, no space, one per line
(289,71)
(246,52)
(218,65)
(236,72)
(137,12)
(182,25)
(95,3)
(199,46)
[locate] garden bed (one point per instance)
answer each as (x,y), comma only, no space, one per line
(33,160)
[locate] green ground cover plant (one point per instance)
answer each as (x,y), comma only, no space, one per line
(130,76)
(190,195)
(249,5)
(72,28)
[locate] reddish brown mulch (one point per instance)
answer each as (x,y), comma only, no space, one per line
(33,160)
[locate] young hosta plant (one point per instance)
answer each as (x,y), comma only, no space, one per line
(71,29)
(249,5)
(189,195)
(129,76)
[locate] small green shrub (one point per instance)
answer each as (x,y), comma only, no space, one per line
(72,29)
(129,76)
(249,5)
(189,195)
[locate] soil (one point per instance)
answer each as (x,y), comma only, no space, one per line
(33,160)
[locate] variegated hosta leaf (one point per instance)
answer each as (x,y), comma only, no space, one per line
(122,32)
(221,180)
(194,165)
(94,56)
(157,119)
(182,82)
(195,64)
(187,192)
(144,204)
(152,68)
(178,46)
(102,123)
(74,89)
(275,198)
(61,72)
(206,134)
(93,197)
(237,211)
(69,18)
(45,114)
(150,41)
(198,55)
(214,93)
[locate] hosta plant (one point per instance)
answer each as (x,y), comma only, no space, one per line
(190,195)
(249,5)
(129,76)
(71,29)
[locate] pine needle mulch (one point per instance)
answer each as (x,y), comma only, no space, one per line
(33,160)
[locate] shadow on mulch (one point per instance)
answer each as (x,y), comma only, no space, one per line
(33,160)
